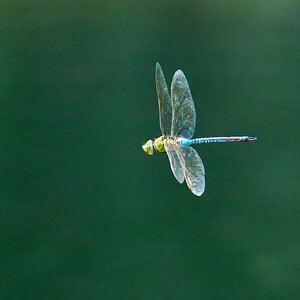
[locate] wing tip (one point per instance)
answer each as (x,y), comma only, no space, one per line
(157,66)
(178,73)
(158,71)
(179,76)
(198,193)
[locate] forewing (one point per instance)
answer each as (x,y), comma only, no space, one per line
(164,102)
(175,162)
(183,109)
(193,170)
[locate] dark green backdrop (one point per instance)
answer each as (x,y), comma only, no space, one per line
(85,214)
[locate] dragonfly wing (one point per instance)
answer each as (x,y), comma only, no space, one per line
(183,109)
(175,161)
(193,170)
(164,102)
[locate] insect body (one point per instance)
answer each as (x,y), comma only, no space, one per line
(177,118)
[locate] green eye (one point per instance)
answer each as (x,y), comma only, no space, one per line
(148,147)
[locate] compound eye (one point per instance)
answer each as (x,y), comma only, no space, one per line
(148,147)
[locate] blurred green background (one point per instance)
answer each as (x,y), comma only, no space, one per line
(85,214)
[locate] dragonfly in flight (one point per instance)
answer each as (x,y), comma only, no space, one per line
(177,118)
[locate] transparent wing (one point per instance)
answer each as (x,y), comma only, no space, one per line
(193,169)
(164,101)
(183,109)
(173,154)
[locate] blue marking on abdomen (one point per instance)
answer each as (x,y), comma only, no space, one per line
(186,142)
(206,141)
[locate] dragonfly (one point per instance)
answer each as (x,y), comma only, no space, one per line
(177,119)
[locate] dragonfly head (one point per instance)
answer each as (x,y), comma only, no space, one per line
(148,147)
(159,144)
